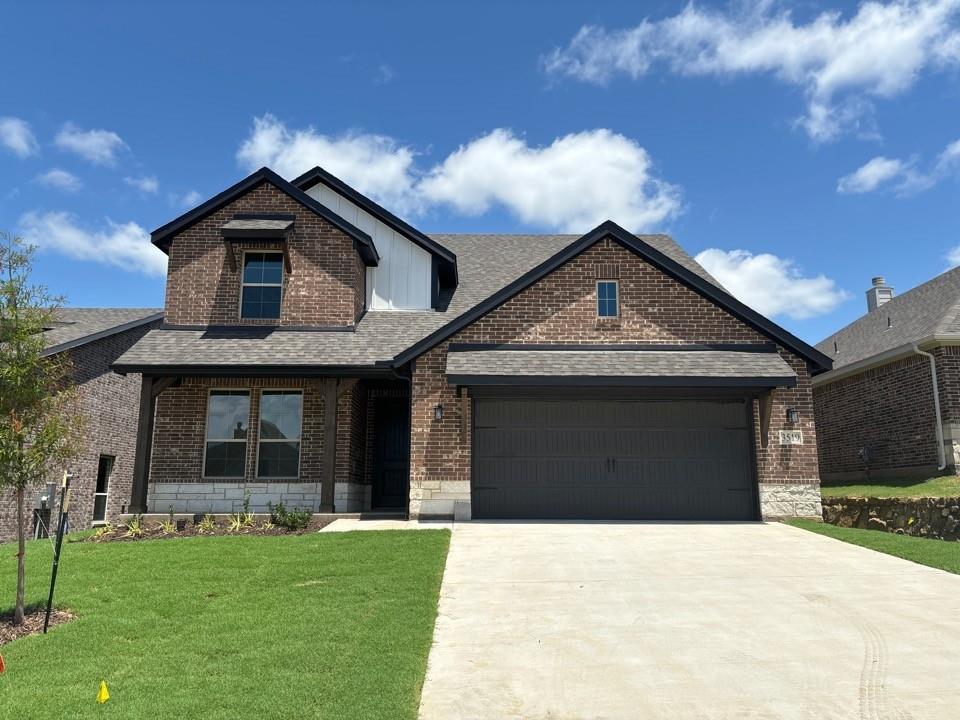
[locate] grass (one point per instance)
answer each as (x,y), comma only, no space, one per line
(946,486)
(939,554)
(334,625)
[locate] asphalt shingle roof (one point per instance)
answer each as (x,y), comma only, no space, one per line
(74,326)
(486,263)
(620,363)
(932,308)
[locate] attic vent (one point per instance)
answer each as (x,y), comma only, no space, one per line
(835,346)
(608,271)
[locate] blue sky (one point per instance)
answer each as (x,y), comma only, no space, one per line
(802,148)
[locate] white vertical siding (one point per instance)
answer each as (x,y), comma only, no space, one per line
(402,281)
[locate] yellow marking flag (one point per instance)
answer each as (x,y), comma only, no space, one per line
(103,694)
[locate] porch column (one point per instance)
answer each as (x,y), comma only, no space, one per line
(141,463)
(150,389)
(328,478)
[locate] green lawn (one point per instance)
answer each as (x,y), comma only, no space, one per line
(332,625)
(935,553)
(947,486)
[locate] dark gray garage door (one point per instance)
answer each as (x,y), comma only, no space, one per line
(612,459)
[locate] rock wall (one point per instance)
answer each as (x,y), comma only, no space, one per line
(923,517)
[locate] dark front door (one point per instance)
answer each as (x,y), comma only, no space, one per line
(612,459)
(391,452)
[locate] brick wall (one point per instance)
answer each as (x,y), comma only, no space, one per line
(110,404)
(325,287)
(561,308)
(179,441)
(180,425)
(887,409)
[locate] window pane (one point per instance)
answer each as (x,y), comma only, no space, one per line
(260,302)
(263,268)
(228,412)
(99,507)
(280,415)
(279,459)
(225,459)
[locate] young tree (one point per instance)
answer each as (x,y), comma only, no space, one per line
(39,425)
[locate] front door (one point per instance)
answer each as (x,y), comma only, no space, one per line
(391,452)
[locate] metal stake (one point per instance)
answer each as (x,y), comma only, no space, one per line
(64,508)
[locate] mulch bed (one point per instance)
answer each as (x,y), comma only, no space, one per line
(32,623)
(120,533)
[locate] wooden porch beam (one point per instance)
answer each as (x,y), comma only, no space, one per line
(766,409)
(328,476)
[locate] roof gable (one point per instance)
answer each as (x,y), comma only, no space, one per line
(447,260)
(696,282)
(163,236)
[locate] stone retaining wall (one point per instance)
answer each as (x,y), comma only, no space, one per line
(922,517)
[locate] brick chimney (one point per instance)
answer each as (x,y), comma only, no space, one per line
(879,294)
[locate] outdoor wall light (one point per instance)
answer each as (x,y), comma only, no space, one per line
(438,412)
(793,417)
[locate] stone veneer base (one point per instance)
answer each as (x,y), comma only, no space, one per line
(226,497)
(790,501)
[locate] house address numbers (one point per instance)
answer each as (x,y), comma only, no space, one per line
(791,437)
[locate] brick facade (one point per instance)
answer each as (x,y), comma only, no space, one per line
(179,442)
(109,403)
(325,287)
(889,411)
(561,308)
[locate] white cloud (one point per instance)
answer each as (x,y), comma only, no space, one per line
(146,184)
(385,74)
(953,257)
(98,146)
(772,285)
(903,177)
(190,199)
(871,175)
(840,63)
(574,183)
(375,164)
(60,179)
(17,137)
(125,245)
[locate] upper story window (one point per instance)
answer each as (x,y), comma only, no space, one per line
(608,301)
(228,413)
(262,285)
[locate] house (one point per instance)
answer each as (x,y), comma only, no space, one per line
(92,339)
(319,351)
(891,405)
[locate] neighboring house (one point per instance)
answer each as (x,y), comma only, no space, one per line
(891,405)
(92,339)
(319,351)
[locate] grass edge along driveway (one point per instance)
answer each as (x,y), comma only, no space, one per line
(940,554)
(334,625)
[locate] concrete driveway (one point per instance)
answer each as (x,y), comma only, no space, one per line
(651,620)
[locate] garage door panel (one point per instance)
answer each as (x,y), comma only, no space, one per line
(612,459)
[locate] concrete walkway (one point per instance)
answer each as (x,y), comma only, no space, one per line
(688,621)
(351,524)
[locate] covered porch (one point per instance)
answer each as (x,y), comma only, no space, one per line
(222,440)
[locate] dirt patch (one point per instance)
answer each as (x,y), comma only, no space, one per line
(32,623)
(150,531)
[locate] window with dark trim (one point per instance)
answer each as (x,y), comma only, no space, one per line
(262,285)
(608,305)
(281,416)
(225,451)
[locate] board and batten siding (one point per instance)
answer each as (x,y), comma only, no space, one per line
(402,281)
